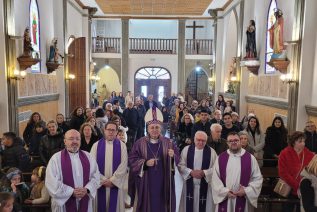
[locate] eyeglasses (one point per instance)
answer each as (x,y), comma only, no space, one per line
(111,130)
(234,141)
(73,139)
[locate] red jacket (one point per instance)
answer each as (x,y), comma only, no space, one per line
(290,165)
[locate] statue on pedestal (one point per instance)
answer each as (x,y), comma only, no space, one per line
(276,36)
(54,54)
(251,41)
(27,44)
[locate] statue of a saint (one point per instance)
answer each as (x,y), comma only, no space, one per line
(251,44)
(276,36)
(27,44)
(54,54)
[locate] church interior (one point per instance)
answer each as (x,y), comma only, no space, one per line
(259,55)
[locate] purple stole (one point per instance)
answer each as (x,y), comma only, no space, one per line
(190,182)
(244,179)
(101,155)
(68,179)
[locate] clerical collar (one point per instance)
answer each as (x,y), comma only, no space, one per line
(154,141)
(109,141)
(74,153)
(238,154)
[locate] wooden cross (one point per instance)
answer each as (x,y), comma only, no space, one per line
(189,197)
(194,26)
(203,200)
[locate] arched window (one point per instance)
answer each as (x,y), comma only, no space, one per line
(35,32)
(152,73)
(269,51)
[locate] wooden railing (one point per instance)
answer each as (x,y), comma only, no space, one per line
(106,45)
(198,47)
(152,46)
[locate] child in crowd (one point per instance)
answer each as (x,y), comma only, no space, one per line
(39,132)
(12,183)
(122,134)
(6,202)
(39,193)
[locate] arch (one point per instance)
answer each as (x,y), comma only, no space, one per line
(268,50)
(197,85)
(155,80)
(34,21)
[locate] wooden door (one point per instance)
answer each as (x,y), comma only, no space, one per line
(77,66)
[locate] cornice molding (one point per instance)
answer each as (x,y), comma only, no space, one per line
(276,103)
(30,100)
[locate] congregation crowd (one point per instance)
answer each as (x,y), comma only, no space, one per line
(125,152)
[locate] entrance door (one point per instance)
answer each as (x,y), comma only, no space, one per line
(152,80)
(196,86)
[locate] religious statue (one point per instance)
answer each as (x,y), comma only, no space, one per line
(276,36)
(34,29)
(27,44)
(54,54)
(251,41)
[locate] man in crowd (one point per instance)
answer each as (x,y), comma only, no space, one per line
(236,179)
(131,117)
(193,108)
(228,126)
(215,141)
(202,125)
(217,118)
(151,163)
(196,169)
(311,136)
(141,111)
(235,120)
(112,159)
(72,177)
(150,103)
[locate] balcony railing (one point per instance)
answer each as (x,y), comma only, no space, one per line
(198,47)
(152,46)
(106,45)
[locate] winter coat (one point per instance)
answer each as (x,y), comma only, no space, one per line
(49,145)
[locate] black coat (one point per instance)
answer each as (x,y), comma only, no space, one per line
(147,104)
(49,145)
(219,146)
(131,117)
(16,156)
(35,143)
(64,127)
(87,147)
(199,126)
(311,141)
(225,131)
(76,122)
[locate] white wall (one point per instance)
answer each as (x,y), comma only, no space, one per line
(4,124)
(74,21)
(106,28)
(167,29)
(167,61)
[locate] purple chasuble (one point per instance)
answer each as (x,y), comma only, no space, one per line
(68,179)
(244,179)
(101,155)
(190,182)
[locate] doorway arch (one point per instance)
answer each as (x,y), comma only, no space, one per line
(196,85)
(152,80)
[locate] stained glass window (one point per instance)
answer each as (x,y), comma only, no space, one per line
(35,33)
(269,51)
(152,73)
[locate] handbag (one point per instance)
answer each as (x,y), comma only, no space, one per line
(282,188)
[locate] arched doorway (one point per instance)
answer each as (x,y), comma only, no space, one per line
(196,85)
(153,80)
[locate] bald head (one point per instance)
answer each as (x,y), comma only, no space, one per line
(72,140)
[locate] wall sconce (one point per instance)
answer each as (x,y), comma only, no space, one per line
(287,78)
(70,77)
(18,75)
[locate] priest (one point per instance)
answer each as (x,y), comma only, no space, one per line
(152,161)
(236,179)
(111,156)
(72,177)
(195,166)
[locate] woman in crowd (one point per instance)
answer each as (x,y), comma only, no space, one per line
(88,137)
(204,106)
(11,182)
(29,129)
(6,201)
(101,119)
(308,186)
(62,125)
(92,122)
(39,132)
(113,96)
(51,143)
(181,108)
(244,139)
(311,136)
(77,118)
(256,138)
(220,104)
(275,141)
(291,162)
(121,100)
(88,113)
(39,193)
(184,131)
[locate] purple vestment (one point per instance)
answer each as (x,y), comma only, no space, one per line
(244,178)
(153,188)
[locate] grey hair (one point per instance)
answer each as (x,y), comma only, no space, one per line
(201,132)
(214,126)
(243,133)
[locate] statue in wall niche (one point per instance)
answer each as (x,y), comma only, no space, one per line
(27,44)
(251,41)
(54,54)
(276,36)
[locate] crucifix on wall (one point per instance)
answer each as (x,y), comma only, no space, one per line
(194,26)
